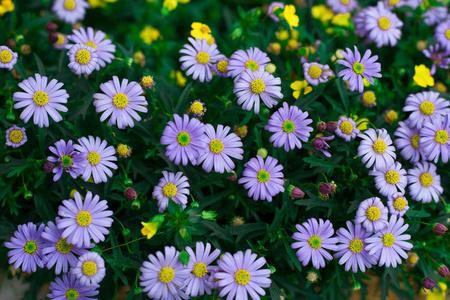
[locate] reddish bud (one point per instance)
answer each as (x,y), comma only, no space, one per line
(232,177)
(439,229)
(429,284)
(53,37)
(443,271)
(321,126)
(51,27)
(130,194)
(331,126)
(48,167)
(296,193)
(325,188)
(11,44)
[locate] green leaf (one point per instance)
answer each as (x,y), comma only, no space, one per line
(184,257)
(21,69)
(416,214)
(275,292)
(317,162)
(218,231)
(39,64)
(342,91)
(258,138)
(184,96)
(292,256)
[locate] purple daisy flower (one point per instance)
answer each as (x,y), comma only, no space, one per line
(70,288)
(184,139)
(346,129)
(83,59)
(15,136)
(359,19)
(390,242)
(26,245)
(253,59)
(320,144)
(435,15)
(372,215)
(57,251)
(376,148)
(198,59)
(397,204)
(171,186)
(434,139)
(425,106)
(99,158)
(390,179)
(424,183)
(83,220)
(70,11)
(342,6)
(390,4)
(352,250)
(221,66)
(8,58)
(313,240)
(358,68)
(241,274)
(253,86)
(220,147)
(104,47)
(198,281)
(439,59)
(90,269)
(41,99)
(383,26)
(61,42)
(68,160)
(442,35)
(289,125)
(408,142)
(263,180)
(120,101)
(274,6)
(163,277)
(316,73)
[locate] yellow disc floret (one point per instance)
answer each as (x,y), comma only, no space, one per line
(166,274)
(40,98)
(373,213)
(199,269)
(16,136)
(369,98)
(123,150)
(183,138)
(84,218)
(61,39)
(315,242)
(72,294)
(262,176)
(242,277)
(197,108)
(379,146)
(6,56)
(222,66)
(384,23)
(356,245)
(216,146)
(83,56)
(288,126)
(257,86)
(89,268)
(426,108)
(120,100)
(202,57)
(70,5)
(93,158)
(169,190)
(358,68)
(314,72)
(447,34)
(399,203)
(147,82)
(426,179)
(392,177)
(253,65)
(441,137)
(415,141)
(388,239)
(30,247)
(393,2)
(91,44)
(346,127)
(62,246)
(345,2)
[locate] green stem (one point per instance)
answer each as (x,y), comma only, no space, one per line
(124,244)
(420,222)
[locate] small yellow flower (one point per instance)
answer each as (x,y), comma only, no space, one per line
(6,6)
(241,131)
(322,13)
(362,123)
(170,4)
(290,16)
(138,57)
(390,116)
(282,34)
(422,76)
(300,85)
(439,86)
(123,150)
(178,77)
(149,229)
(96,3)
(200,31)
(149,34)
(274,48)
(341,20)
(292,45)
(295,34)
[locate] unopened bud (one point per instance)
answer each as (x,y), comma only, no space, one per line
(136,205)
(53,37)
(194,204)
(209,215)
(232,177)
(296,193)
(271,68)
(321,126)
(126,231)
(356,286)
(130,194)
(429,284)
(184,233)
(443,271)
(128,182)
(439,229)
(25,49)
(325,188)
(48,167)
(51,27)
(262,152)
(28,195)
(10,43)
(137,290)
(331,126)
(10,117)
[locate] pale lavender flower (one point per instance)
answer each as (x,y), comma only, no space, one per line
(90,269)
(390,4)
(442,35)
(8,58)
(15,136)
(274,6)
(342,6)
(171,186)
(435,15)
(439,59)
(425,106)
(253,59)
(316,73)
(70,288)
(346,129)
(83,59)
(382,26)
(408,142)
(320,144)
(376,148)
(372,215)
(397,204)
(391,179)
(435,139)
(70,11)
(424,183)
(41,99)
(68,159)
(220,67)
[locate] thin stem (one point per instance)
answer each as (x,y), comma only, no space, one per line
(420,222)
(119,222)
(123,244)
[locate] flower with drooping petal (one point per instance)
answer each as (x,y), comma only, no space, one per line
(8,58)
(253,59)
(316,73)
(439,59)
(184,139)
(442,35)
(274,6)
(16,136)
(120,101)
(90,269)
(424,183)
(387,181)
(397,204)
(383,26)
(320,144)
(68,159)
(221,145)
(289,125)
(372,214)
(171,186)
(41,100)
(390,243)
(262,179)
(26,245)
(240,274)
(346,129)
(70,288)
(376,148)
(435,139)
(83,59)
(342,6)
(408,142)
(253,86)
(70,11)
(83,220)
(424,106)
(163,276)
(358,67)
(313,239)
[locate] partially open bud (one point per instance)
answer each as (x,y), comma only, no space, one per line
(232,177)
(136,205)
(428,284)
(439,229)
(130,194)
(150,228)
(312,276)
(325,188)
(443,271)
(296,193)
(48,167)
(321,126)
(331,126)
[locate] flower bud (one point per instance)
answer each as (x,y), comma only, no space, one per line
(128,61)
(232,177)
(9,102)
(331,126)
(262,152)
(443,271)
(439,229)
(53,37)
(324,197)
(356,286)
(428,284)
(28,195)
(25,49)
(11,44)
(265,111)
(51,27)
(48,167)
(240,131)
(130,194)
(325,188)
(321,126)
(194,204)
(296,193)
(412,259)
(208,215)
(128,182)
(184,233)
(312,276)
(126,231)
(19,38)
(137,290)
(136,205)
(237,221)
(10,117)
(271,68)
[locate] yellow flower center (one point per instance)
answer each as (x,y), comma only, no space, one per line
(30,247)
(257,86)
(358,68)
(62,246)
(169,190)
(183,138)
(392,177)
(120,100)
(216,146)
(16,136)
(123,150)
(391,116)
(242,277)
(356,245)
(369,97)
(346,127)
(147,81)
(426,179)
(89,268)
(441,136)
(373,213)
(315,242)
(345,2)
(399,203)
(388,239)
(447,34)
(70,4)
(40,98)
(379,146)
(315,72)
(61,39)
(91,44)
(6,56)
(84,218)
(202,57)
(415,141)
(426,108)
(166,274)
(262,176)
(197,107)
(222,66)
(199,269)
(288,126)
(253,65)
(83,57)
(93,158)
(384,23)
(393,2)
(72,294)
